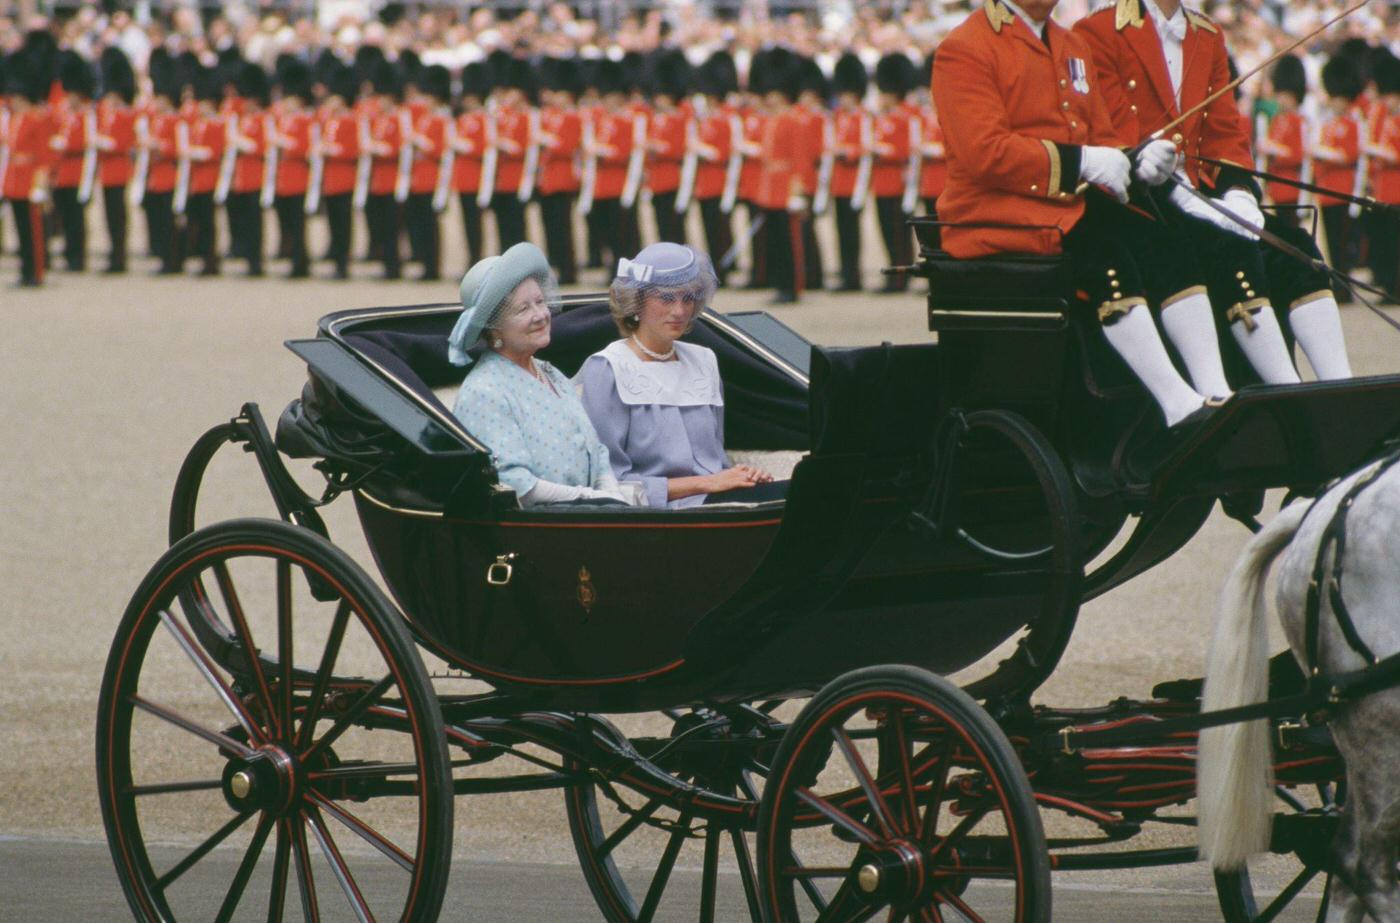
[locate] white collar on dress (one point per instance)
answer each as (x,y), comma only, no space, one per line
(690,381)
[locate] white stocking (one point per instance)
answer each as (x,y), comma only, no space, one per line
(1264,348)
(1190,326)
(1135,338)
(1317,326)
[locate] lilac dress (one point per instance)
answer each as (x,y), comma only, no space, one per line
(658,420)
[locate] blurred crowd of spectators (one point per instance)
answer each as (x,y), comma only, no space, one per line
(452,36)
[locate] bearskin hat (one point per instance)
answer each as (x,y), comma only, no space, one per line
(895,74)
(776,70)
(1288,76)
(117,75)
(810,78)
(1341,78)
(561,75)
(252,84)
(385,80)
(610,78)
(76,75)
(850,76)
(670,74)
(718,76)
(476,80)
(342,82)
(1386,74)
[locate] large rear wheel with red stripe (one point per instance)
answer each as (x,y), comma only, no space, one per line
(904,802)
(268,743)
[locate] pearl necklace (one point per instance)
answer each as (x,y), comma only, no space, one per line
(658,357)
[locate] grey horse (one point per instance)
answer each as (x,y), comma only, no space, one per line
(1233,772)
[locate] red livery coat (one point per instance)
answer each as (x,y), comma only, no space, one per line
(1137,88)
(558,171)
(1011,116)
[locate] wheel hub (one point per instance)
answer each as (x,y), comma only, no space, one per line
(894,873)
(264,781)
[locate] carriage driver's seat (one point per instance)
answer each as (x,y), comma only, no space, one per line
(1014,334)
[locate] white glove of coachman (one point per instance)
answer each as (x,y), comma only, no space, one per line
(1243,203)
(1182,198)
(1107,167)
(1157,162)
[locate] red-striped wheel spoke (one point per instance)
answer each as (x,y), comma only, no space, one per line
(663,871)
(930,914)
(339,869)
(873,795)
(746,875)
(245,870)
(321,684)
(206,668)
(928,828)
(847,907)
(171,716)
(365,832)
(277,894)
(169,788)
(961,906)
(202,850)
(306,878)
(628,827)
(963,828)
(838,817)
(284,647)
(245,637)
(910,813)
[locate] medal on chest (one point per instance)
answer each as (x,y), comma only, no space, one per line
(1079,75)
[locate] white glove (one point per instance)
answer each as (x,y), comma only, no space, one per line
(1157,162)
(1107,167)
(796,204)
(1182,198)
(1242,203)
(38,195)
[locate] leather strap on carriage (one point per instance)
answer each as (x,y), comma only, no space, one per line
(1334,539)
(1365,202)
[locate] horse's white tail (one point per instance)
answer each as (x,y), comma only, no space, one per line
(1233,784)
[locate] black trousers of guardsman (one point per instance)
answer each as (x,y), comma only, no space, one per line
(615,236)
(423,233)
(33,249)
(339,209)
(382,215)
(510,218)
(471,226)
(670,226)
(786,266)
(1342,245)
(556,211)
(899,240)
(201,235)
(848,243)
(291,227)
(245,224)
(114,209)
(1385,251)
(160,228)
(72,217)
(758,249)
(719,235)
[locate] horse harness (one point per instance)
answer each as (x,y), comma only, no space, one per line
(1334,539)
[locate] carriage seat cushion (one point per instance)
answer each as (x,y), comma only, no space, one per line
(1003,277)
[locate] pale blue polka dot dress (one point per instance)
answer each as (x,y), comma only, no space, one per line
(534,432)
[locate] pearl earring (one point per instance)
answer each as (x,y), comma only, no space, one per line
(496,343)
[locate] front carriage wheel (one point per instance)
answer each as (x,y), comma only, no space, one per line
(904,800)
(218,771)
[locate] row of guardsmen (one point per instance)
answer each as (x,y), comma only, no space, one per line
(591,141)
(1344,140)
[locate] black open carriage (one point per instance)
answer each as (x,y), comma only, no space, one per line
(947,500)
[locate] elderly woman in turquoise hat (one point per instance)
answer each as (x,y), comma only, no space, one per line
(524,409)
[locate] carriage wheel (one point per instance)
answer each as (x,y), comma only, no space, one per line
(630,844)
(904,800)
(217,777)
(1236,890)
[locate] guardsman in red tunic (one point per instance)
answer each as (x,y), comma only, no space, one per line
(253,168)
(1154,60)
(469,151)
(1027,125)
(1337,154)
(665,146)
(385,144)
(204,143)
(1286,143)
(934,161)
(27,162)
(560,141)
(715,147)
(752,116)
(895,142)
(511,142)
(853,128)
(116,144)
(339,154)
(75,148)
(818,130)
(783,191)
(1385,156)
(292,139)
(160,144)
(431,126)
(614,136)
